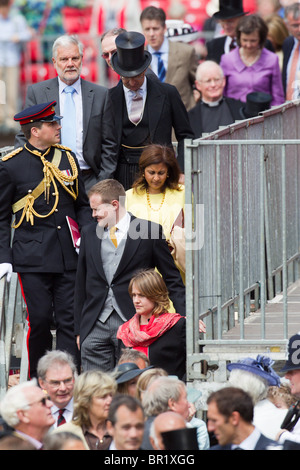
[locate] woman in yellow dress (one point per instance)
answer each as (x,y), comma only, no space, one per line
(156,194)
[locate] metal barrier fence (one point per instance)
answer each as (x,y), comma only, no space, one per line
(245,179)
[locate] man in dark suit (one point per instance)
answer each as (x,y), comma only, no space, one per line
(230,416)
(290,47)
(41,184)
(160,108)
(94,143)
(102,301)
(229,14)
(213,109)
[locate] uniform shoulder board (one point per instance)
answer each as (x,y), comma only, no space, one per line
(11,154)
(59,146)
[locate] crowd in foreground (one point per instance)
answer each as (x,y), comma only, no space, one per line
(140,407)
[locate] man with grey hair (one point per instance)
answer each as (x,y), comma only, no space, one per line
(213,109)
(88,122)
(27,410)
(57,372)
(170,394)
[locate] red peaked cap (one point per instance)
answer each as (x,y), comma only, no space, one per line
(44,112)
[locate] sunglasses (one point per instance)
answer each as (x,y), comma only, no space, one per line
(43,401)
(106,55)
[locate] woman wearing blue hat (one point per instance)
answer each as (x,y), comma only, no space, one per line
(255,376)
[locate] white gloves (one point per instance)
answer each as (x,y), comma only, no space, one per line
(6,269)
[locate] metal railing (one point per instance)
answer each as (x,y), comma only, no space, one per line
(13,330)
(245,178)
(13,324)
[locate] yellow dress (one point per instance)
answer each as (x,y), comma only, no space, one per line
(160,209)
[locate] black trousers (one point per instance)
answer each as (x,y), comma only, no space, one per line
(46,294)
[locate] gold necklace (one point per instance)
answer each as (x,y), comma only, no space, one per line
(149,203)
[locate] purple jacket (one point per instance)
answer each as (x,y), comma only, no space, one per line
(263,76)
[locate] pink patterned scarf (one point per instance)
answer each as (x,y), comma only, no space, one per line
(132,336)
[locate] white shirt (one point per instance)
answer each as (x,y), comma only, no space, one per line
(77,96)
(123,227)
(250,442)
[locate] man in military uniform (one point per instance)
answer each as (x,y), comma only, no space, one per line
(41,184)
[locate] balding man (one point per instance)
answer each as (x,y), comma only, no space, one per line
(164,422)
(213,109)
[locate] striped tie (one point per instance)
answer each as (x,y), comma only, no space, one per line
(61,419)
(161,71)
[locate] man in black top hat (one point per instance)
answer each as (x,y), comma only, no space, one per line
(145,109)
(40,184)
(229,14)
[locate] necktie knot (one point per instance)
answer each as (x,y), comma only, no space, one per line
(69,89)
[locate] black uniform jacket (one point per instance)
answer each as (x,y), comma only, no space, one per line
(45,246)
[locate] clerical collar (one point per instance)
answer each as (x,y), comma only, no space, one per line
(212,104)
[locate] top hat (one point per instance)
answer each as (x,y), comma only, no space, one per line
(293,354)
(128,371)
(229,9)
(260,366)
(131,58)
(180,439)
(44,112)
(257,101)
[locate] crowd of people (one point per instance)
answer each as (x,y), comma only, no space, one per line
(62,409)
(99,163)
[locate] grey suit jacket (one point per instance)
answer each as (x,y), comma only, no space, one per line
(99,144)
(181,72)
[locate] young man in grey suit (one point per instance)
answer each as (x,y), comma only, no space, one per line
(94,143)
(102,301)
